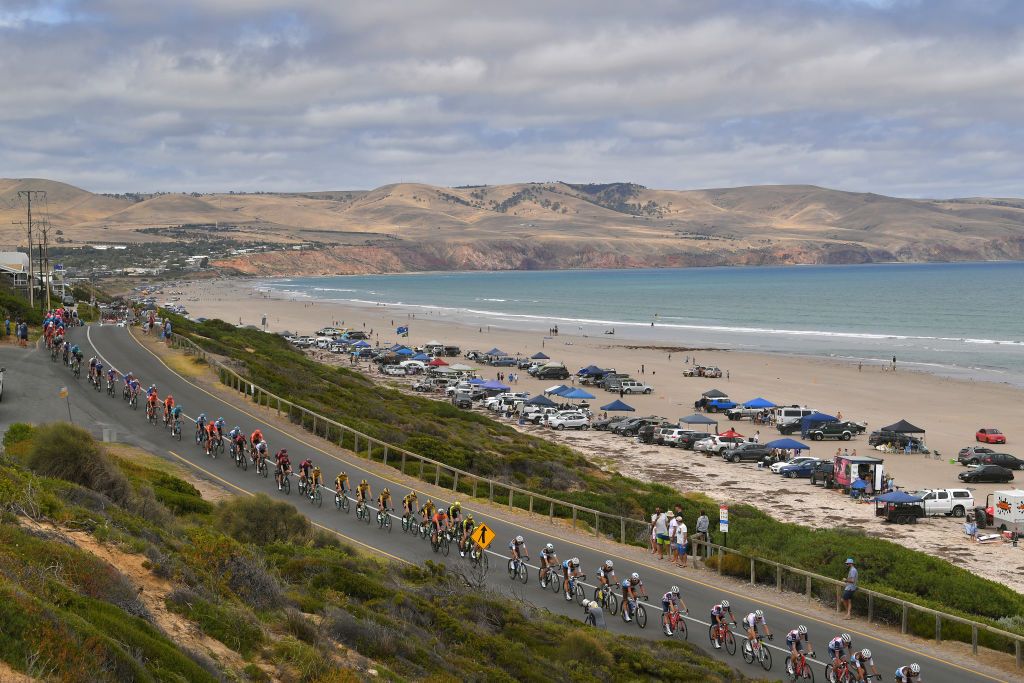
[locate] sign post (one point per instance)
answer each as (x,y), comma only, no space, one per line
(723,523)
(483,536)
(64,395)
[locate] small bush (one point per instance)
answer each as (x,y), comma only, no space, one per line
(261,520)
(18,432)
(69,452)
(233,627)
(250,579)
(296,624)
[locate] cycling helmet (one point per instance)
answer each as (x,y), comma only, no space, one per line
(520,539)
(362,483)
(675,590)
(550,547)
(865,653)
(801,629)
(220,419)
(759,614)
(634,576)
(725,604)
(169,396)
(847,638)
(284,451)
(469,518)
(575,562)
(237,428)
(915,668)
(456,504)
(385,491)
(608,564)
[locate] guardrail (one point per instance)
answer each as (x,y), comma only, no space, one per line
(876,607)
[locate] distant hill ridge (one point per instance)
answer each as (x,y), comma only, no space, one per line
(413,226)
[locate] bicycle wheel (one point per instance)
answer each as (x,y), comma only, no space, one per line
(580,595)
(681,628)
(612,602)
(337,501)
(366,514)
(830,674)
(245,461)
(287,484)
(345,505)
(808,674)
(641,616)
(524,572)
(766,657)
(540,579)
(730,643)
(318,498)
(748,652)
(513,569)
(788,667)
(387,522)
(445,546)
(177,433)
(554,582)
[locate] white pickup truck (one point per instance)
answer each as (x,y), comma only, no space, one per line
(955,502)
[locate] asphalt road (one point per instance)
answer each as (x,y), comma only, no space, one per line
(31,393)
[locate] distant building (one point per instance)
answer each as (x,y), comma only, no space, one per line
(14,266)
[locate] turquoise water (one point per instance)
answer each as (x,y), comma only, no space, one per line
(964,319)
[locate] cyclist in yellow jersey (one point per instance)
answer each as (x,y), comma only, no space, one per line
(341,483)
(427,511)
(466,527)
(384,500)
(363,492)
(408,504)
(317,477)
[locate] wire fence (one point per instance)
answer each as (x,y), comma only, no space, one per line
(876,607)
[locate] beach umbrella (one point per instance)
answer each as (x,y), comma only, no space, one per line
(903,427)
(540,355)
(542,401)
(495,384)
(758,403)
(555,389)
(576,393)
(495,352)
(714,393)
(788,444)
(438,362)
(730,433)
(618,405)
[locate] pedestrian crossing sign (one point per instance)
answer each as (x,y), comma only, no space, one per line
(482,536)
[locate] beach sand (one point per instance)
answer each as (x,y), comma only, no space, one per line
(950,410)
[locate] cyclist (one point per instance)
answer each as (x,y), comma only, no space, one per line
(111,377)
(318,478)
(67,351)
(631,589)
(408,505)
(570,566)
(718,613)
(384,500)
(548,559)
(151,391)
(751,622)
(237,441)
(211,437)
(284,467)
(98,372)
(257,436)
(304,467)
(77,353)
(670,604)
(134,388)
(454,512)
(517,546)
(427,512)
(906,674)
(219,424)
(92,366)
(341,484)
(837,648)
(795,640)
(859,663)
(151,401)
(439,520)
(200,427)
(466,527)
(606,574)
(168,407)
(260,454)
(176,417)
(363,492)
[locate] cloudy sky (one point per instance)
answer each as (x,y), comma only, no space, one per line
(904,97)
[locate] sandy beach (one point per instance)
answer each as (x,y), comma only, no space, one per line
(950,410)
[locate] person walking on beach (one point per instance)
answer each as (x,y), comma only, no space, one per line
(894,363)
(851,586)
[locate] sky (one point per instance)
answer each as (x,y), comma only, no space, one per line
(915,98)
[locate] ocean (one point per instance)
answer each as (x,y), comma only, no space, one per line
(960,320)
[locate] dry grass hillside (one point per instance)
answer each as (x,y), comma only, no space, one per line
(413,226)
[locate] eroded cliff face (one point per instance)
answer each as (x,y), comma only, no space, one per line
(560,255)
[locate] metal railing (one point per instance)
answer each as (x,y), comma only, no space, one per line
(876,607)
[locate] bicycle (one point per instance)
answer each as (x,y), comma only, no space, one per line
(441,541)
(605,596)
(799,669)
(200,435)
(639,612)
(241,460)
(341,501)
(410,525)
(362,512)
(133,402)
(286,483)
(217,444)
(176,428)
(110,387)
(314,495)
(676,624)
(97,383)
(517,569)
(724,634)
(546,576)
(126,393)
(478,556)
(755,649)
(76,368)
(53,354)
(384,519)
(840,674)
(576,588)
(151,414)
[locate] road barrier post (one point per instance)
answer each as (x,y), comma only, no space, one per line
(455,486)
(751,571)
(906,614)
(622,530)
(531,505)
(597,523)
(808,588)
(574,517)
(778,577)
(974,640)
(938,628)
(871,607)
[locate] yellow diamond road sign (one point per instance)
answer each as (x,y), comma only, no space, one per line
(483,536)
(63,392)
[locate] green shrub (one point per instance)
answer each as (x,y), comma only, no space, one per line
(18,432)
(69,452)
(260,520)
(231,626)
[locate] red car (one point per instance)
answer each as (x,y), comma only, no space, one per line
(990,435)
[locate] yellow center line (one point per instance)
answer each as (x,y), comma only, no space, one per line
(519,525)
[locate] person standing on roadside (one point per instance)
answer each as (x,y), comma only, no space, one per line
(672,548)
(681,542)
(661,532)
(851,586)
(653,533)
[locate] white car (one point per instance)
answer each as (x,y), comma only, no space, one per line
(394,370)
(502,400)
(775,467)
(538,414)
(717,444)
(568,420)
(632,386)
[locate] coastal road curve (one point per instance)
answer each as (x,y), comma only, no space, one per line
(123,352)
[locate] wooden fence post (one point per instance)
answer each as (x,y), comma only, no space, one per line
(510,492)
(622,530)
(871,606)
(574,517)
(597,522)
(455,485)
(778,577)
(906,614)
(938,628)
(751,571)
(808,588)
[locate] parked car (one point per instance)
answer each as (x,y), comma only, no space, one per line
(990,435)
(631,426)
(793,469)
(702,371)
(669,436)
(897,439)
(1010,462)
(824,473)
(538,414)
(605,423)
(504,362)
(689,438)
(568,420)
(836,430)
(395,370)
(462,400)
(632,386)
(967,452)
(993,474)
(744,452)
(718,444)
(799,460)
(949,502)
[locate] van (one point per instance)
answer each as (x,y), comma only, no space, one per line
(788,416)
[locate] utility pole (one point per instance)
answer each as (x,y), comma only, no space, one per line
(28,195)
(46,263)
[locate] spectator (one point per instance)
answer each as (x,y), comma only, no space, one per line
(971,528)
(673,548)
(702,527)
(757,437)
(654,537)
(681,542)
(661,532)
(851,586)
(592,608)
(7,326)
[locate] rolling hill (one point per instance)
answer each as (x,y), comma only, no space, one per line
(412,226)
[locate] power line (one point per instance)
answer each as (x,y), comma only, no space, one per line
(28,195)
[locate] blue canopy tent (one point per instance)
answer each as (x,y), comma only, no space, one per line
(540,355)
(361,344)
(697,419)
(405,352)
(495,352)
(395,347)
(556,389)
(576,393)
(758,403)
(421,356)
(897,497)
(478,381)
(560,391)
(542,401)
(618,405)
(589,371)
(813,420)
(495,385)
(788,444)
